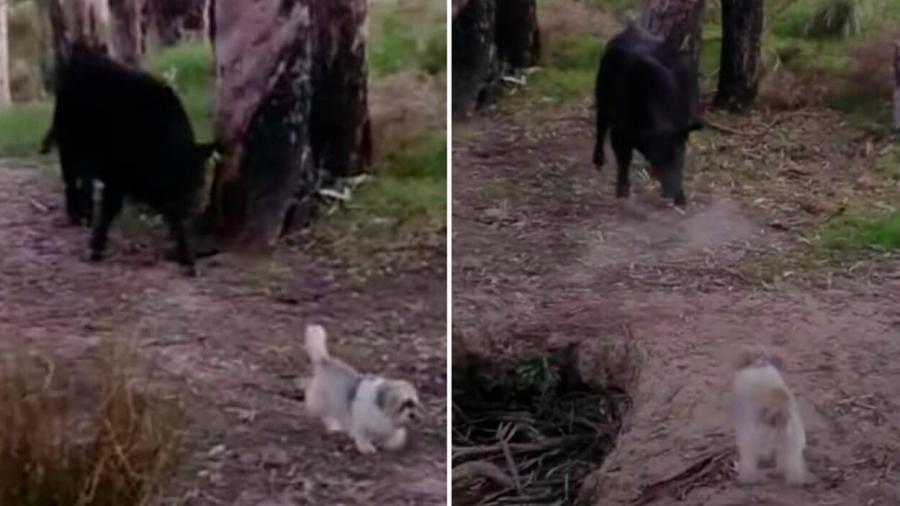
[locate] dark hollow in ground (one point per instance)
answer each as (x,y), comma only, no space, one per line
(528,431)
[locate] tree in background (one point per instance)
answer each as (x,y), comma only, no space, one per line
(5,93)
(274,61)
(679,22)
(739,71)
(490,37)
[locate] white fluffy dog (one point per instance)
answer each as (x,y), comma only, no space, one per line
(373,410)
(767,420)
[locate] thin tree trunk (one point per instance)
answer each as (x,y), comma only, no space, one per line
(5,93)
(341,130)
(518,37)
(742,23)
(476,66)
(679,22)
(897,85)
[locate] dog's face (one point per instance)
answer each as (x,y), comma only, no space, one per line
(399,401)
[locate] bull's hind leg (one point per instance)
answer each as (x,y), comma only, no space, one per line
(86,199)
(110,207)
(184,254)
(623,151)
(74,195)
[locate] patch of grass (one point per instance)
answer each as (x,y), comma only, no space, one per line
(400,42)
(189,69)
(55,449)
(569,67)
(403,207)
(22,128)
(862,108)
(860,231)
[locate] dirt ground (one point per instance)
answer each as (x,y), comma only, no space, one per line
(230,342)
(543,255)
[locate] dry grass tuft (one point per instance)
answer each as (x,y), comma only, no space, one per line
(57,448)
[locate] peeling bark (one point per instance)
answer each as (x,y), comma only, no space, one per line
(742,23)
(125,30)
(292,110)
(679,22)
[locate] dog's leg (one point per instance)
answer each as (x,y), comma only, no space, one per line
(363,444)
(332,424)
(397,440)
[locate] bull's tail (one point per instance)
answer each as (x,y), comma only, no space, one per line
(315,344)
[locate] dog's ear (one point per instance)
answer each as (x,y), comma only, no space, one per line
(383,396)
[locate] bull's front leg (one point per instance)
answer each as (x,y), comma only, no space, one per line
(599,156)
(623,151)
(110,207)
(184,253)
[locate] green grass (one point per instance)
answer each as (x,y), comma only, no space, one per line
(860,231)
(569,68)
(405,204)
(398,45)
(189,69)
(22,127)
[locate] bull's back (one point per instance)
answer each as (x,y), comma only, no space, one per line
(111,119)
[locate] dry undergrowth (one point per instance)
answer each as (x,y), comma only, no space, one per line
(112,447)
(529,435)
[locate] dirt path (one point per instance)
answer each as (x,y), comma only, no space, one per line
(544,255)
(229,339)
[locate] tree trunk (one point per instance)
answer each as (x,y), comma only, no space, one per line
(169,22)
(274,62)
(742,23)
(518,38)
(83,21)
(5,93)
(126,39)
(476,66)
(897,85)
(341,130)
(679,22)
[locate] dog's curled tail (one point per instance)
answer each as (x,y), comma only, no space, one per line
(315,344)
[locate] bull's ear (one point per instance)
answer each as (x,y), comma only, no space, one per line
(696,124)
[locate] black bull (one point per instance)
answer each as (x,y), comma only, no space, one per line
(125,128)
(646,95)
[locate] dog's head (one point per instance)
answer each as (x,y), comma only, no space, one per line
(399,400)
(754,357)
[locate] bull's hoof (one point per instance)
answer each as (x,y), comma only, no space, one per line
(622,192)
(95,255)
(680,200)
(189,271)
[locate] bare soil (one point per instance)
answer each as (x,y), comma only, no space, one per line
(229,342)
(544,255)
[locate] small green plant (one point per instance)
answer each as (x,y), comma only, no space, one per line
(839,18)
(537,373)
